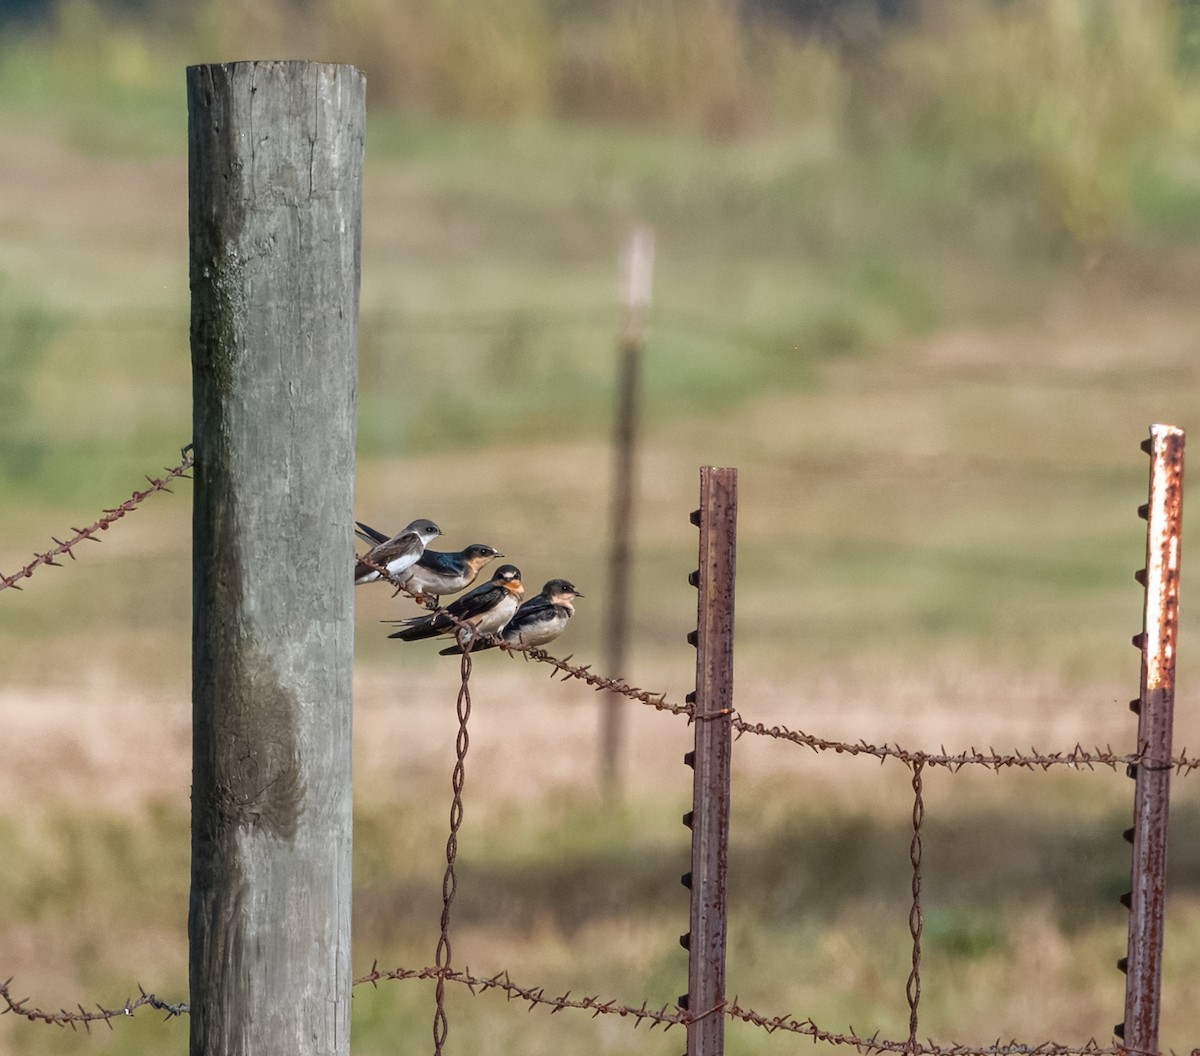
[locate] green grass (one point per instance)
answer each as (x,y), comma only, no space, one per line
(103,87)
(575,898)
(492,245)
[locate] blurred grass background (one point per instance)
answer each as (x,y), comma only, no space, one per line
(926,272)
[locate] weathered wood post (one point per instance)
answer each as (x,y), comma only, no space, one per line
(637,273)
(275,155)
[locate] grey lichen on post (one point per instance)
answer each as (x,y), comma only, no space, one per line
(275,153)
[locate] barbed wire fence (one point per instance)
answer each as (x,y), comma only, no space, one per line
(711,712)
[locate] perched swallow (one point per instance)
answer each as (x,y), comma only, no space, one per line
(437,573)
(398,553)
(486,608)
(540,620)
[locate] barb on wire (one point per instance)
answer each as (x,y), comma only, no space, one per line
(584,673)
(82,1016)
(90,533)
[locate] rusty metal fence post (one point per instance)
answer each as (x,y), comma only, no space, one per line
(1155,710)
(709,817)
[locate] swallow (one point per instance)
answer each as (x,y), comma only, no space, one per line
(487,608)
(437,573)
(398,553)
(540,620)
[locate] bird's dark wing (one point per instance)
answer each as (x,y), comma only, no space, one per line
(479,600)
(385,553)
(531,615)
(535,614)
(422,627)
(370,535)
(442,563)
(535,604)
(396,547)
(476,601)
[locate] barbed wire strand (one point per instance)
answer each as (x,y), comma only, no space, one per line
(90,533)
(874,1043)
(600,683)
(1076,758)
(450,880)
(535,996)
(915,919)
(85,1017)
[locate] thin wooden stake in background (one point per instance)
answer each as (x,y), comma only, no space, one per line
(275,152)
(637,269)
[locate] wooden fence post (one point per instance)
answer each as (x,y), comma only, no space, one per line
(637,271)
(275,155)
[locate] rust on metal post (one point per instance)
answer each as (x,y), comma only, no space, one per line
(1155,709)
(709,818)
